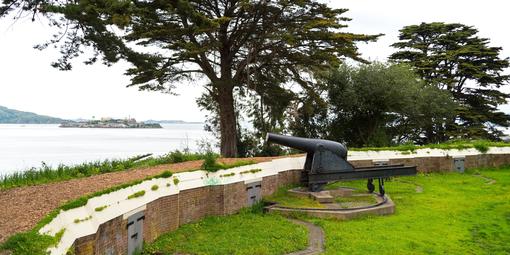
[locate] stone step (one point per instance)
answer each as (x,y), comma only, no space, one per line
(322,197)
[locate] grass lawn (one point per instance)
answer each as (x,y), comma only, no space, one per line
(441,213)
(446,213)
(249,232)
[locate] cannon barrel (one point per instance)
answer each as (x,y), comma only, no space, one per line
(308,145)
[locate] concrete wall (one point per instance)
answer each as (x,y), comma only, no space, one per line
(202,194)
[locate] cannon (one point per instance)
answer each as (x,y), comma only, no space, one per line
(326,161)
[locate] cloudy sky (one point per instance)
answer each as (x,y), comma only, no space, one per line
(27,82)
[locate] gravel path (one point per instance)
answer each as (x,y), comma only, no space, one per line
(315,239)
(21,208)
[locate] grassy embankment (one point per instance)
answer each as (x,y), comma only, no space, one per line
(47,174)
(440,213)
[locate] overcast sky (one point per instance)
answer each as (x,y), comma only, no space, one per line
(27,82)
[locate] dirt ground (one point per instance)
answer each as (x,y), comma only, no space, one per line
(21,208)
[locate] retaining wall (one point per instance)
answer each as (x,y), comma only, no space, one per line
(200,194)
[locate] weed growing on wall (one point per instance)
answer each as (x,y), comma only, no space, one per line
(82,220)
(100,208)
(228,175)
(136,194)
(251,171)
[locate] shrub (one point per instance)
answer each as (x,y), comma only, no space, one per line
(210,163)
(154,187)
(176,181)
(481,146)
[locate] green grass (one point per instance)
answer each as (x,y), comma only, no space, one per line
(480,145)
(31,243)
(447,213)
(246,233)
(47,174)
(283,198)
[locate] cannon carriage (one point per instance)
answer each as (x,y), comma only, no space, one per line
(326,161)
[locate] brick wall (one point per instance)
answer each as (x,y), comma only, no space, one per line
(85,245)
(193,204)
(289,177)
(168,213)
(111,237)
(269,185)
(235,197)
(161,216)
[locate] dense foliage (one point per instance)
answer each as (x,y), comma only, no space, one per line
(455,59)
(374,105)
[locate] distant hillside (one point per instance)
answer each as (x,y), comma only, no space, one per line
(10,116)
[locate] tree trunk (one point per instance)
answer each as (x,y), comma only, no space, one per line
(228,121)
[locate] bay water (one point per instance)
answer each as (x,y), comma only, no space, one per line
(23,146)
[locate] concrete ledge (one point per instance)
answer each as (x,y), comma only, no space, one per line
(340,214)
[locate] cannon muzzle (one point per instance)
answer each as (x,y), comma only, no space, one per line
(308,145)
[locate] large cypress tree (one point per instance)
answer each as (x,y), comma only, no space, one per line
(454,58)
(230,43)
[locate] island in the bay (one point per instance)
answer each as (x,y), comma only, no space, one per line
(109,123)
